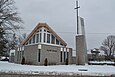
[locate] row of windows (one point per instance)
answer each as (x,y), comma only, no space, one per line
(66,55)
(20,48)
(36,38)
(20,54)
(43,37)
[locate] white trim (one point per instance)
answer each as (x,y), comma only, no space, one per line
(64,49)
(51,44)
(23,48)
(42,37)
(67,49)
(39,46)
(50,38)
(44,43)
(39,38)
(55,40)
(18,49)
(12,51)
(33,44)
(61,49)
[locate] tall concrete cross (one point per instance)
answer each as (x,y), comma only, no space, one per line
(77,7)
(80,40)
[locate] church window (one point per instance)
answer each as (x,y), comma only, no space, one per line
(61,56)
(57,42)
(44,37)
(40,37)
(53,39)
(48,38)
(39,53)
(34,39)
(67,55)
(30,41)
(37,38)
(64,56)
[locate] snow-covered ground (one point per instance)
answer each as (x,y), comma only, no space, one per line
(68,69)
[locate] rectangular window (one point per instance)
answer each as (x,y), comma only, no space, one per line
(53,39)
(44,37)
(57,42)
(37,38)
(61,56)
(30,41)
(39,52)
(40,37)
(48,38)
(17,56)
(34,39)
(67,55)
(12,54)
(22,53)
(64,56)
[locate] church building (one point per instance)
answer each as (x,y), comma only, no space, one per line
(43,43)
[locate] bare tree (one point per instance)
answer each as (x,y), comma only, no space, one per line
(8,15)
(108,46)
(9,20)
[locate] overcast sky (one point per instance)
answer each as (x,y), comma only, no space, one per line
(99,16)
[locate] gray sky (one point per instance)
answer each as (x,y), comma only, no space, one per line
(60,15)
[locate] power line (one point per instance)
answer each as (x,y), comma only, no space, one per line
(28,30)
(75,33)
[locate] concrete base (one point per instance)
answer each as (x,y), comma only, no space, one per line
(80,50)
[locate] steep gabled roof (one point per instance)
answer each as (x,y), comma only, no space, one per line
(47,27)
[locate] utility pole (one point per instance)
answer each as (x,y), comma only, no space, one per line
(77,7)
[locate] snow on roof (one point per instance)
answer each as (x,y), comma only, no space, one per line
(12,51)
(102,53)
(89,52)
